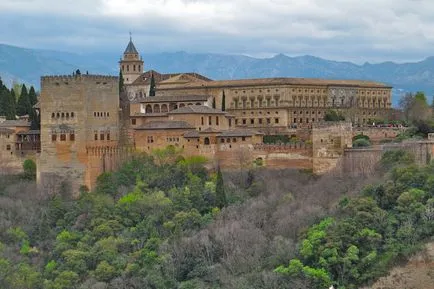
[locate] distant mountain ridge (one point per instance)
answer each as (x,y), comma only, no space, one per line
(28,65)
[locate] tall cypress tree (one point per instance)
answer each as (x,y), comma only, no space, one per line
(11,104)
(220,190)
(223,101)
(12,114)
(3,99)
(23,106)
(152,87)
(32,96)
(121,81)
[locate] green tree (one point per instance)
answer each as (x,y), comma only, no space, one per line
(29,167)
(33,98)
(121,81)
(23,105)
(333,115)
(152,86)
(11,106)
(220,190)
(223,101)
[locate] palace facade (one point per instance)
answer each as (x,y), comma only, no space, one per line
(90,126)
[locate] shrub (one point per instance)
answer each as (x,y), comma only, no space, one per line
(361,142)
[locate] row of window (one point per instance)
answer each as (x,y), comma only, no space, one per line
(150,139)
(133,67)
(63,136)
(260,112)
(258,121)
(301,120)
(210,120)
(103,135)
(101,114)
(172,139)
(62,114)
(384,92)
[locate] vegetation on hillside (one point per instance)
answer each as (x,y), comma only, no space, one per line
(163,221)
(418,114)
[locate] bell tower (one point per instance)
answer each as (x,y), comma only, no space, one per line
(131,64)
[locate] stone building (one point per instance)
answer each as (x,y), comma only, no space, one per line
(79,128)
(272,105)
(17,143)
(88,127)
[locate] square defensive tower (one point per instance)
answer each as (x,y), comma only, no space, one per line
(79,125)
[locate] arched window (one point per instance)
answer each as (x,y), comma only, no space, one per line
(206,141)
(156,108)
(164,108)
(148,108)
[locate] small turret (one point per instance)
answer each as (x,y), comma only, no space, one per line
(131,64)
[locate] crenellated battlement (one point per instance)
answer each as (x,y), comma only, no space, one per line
(66,79)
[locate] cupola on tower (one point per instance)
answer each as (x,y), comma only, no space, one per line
(131,64)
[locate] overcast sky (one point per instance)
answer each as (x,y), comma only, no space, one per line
(353,30)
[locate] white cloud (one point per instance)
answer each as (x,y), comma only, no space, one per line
(348,29)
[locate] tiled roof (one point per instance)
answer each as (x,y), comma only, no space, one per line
(239,132)
(210,130)
(191,134)
(131,49)
(166,124)
(14,123)
(32,132)
(277,81)
(145,78)
(150,114)
(6,130)
(196,109)
(175,98)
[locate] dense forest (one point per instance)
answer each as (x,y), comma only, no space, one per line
(163,221)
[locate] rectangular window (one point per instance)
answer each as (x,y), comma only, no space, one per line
(150,139)
(236,122)
(62,137)
(108,136)
(202,120)
(295,120)
(222,140)
(96,136)
(101,136)
(209,120)
(260,121)
(217,120)
(243,138)
(8,147)
(268,121)
(252,121)
(53,137)
(276,120)
(72,137)
(230,122)
(133,121)
(244,121)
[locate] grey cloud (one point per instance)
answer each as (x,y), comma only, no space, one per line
(370,30)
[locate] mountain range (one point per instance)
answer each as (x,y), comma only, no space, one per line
(28,65)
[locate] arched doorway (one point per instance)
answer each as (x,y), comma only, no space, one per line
(206,141)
